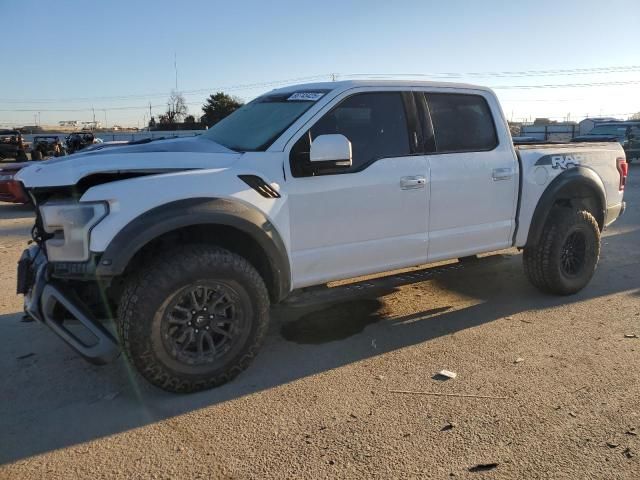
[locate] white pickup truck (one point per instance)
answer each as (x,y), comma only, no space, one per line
(186,242)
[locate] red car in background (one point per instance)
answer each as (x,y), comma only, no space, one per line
(11,190)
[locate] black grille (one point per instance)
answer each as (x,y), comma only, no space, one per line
(26,275)
(260,186)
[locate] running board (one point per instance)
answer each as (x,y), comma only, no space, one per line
(104,350)
(374,286)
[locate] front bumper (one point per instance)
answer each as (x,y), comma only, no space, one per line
(51,302)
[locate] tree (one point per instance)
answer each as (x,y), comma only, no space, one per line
(176,109)
(219,106)
(152,122)
(635,116)
(190,119)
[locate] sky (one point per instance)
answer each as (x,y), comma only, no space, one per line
(69,60)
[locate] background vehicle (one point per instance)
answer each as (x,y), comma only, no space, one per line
(46,146)
(12,146)
(78,140)
(10,189)
(191,239)
(627,133)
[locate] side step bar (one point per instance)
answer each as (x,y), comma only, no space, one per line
(374,286)
(105,349)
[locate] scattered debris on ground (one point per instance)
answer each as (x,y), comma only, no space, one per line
(22,357)
(518,360)
(483,467)
(448,426)
(631,335)
(438,394)
(445,375)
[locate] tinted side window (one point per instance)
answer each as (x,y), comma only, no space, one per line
(461,122)
(374,123)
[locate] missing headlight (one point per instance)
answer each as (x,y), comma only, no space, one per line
(70,224)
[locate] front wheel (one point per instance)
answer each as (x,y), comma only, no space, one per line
(567,253)
(193,319)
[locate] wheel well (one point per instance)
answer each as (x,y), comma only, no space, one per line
(582,197)
(224,236)
(575,189)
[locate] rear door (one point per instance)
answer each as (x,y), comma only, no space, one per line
(474,175)
(371,217)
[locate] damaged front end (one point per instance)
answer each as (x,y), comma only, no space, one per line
(46,271)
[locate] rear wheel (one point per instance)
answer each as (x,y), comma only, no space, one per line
(194,319)
(566,256)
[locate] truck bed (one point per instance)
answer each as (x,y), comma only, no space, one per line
(540,164)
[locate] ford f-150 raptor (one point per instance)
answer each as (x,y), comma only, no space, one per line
(186,242)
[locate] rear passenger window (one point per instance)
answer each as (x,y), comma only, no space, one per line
(461,123)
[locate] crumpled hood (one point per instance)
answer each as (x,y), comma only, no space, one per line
(159,156)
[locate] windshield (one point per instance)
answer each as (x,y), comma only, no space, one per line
(256,125)
(617,130)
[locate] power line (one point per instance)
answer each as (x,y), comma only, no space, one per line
(566,85)
(333,76)
(513,74)
(237,87)
(89,109)
(496,87)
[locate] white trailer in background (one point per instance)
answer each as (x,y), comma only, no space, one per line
(586,125)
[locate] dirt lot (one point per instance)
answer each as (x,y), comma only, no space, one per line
(318,403)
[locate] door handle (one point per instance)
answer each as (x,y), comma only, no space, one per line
(409,183)
(502,174)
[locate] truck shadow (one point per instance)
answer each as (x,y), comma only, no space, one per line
(53,399)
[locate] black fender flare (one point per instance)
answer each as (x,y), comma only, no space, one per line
(199,211)
(579,176)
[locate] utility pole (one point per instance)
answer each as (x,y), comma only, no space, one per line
(334,76)
(94,117)
(105,118)
(175,66)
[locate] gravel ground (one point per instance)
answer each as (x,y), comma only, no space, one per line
(319,401)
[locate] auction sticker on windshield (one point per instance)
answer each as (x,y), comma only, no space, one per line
(305,96)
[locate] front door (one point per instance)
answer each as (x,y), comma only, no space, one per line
(371,217)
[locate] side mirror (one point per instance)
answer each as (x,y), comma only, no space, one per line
(330,152)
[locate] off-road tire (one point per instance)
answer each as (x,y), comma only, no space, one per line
(543,263)
(144,302)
